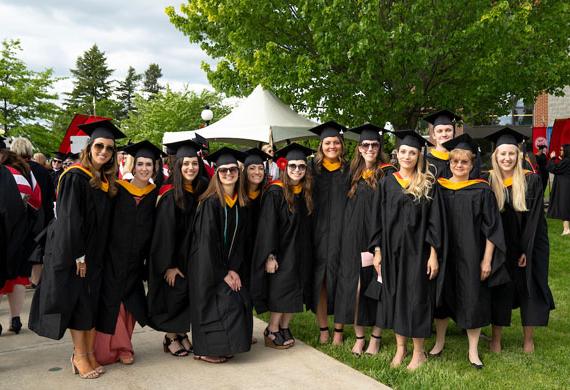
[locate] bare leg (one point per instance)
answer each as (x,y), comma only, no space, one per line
(375,340)
(495,344)
(473,337)
(90,345)
(16,300)
(338,337)
(284,324)
(419,355)
(440,331)
(400,351)
(80,357)
(528,345)
(322,317)
(566,225)
(360,341)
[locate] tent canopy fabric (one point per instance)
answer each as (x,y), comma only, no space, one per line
(261,117)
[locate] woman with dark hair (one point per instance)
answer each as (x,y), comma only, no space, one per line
(68,293)
(222,320)
(281,268)
(123,298)
(559,205)
(520,199)
(330,187)
(168,300)
(356,272)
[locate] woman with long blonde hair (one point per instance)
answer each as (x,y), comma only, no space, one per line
(405,240)
(520,199)
(68,294)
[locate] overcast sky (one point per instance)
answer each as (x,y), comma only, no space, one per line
(54,33)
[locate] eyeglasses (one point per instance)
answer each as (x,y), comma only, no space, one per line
(99,148)
(300,167)
(56,161)
(228,171)
(368,145)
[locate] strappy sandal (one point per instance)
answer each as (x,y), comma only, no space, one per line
(88,375)
(326,329)
(358,354)
(181,339)
(287,335)
(100,369)
(179,353)
(379,340)
(337,330)
(210,359)
(277,342)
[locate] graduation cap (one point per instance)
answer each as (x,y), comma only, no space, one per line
(181,149)
(58,155)
(102,129)
(442,117)
(328,129)
(255,156)
(294,151)
(368,132)
(143,149)
(506,136)
(464,141)
(226,156)
(201,140)
(71,156)
(414,140)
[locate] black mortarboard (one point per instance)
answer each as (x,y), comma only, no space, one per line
(368,132)
(443,117)
(506,136)
(102,129)
(328,129)
(72,156)
(226,156)
(412,139)
(294,151)
(59,156)
(464,141)
(255,156)
(181,149)
(143,149)
(202,141)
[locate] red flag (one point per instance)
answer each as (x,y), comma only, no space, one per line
(560,135)
(73,129)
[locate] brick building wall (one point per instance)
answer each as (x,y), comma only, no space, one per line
(540,114)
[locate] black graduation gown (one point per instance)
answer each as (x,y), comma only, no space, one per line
(470,217)
(287,236)
(559,197)
(525,232)
(132,226)
(358,221)
(222,319)
(439,167)
(54,176)
(63,299)
(253,211)
(542,162)
(169,307)
(45,215)
(329,199)
(405,230)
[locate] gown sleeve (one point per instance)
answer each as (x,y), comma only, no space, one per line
(163,247)
(492,229)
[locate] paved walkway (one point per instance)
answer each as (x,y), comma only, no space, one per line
(28,361)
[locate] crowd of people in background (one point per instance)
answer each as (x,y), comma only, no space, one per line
(191,243)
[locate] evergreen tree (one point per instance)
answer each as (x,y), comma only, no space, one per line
(126,91)
(151,76)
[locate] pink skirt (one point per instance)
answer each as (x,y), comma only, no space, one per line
(108,348)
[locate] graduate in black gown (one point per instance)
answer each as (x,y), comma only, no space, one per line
(123,298)
(356,271)
(57,169)
(68,293)
(473,253)
(330,186)
(405,238)
(168,291)
(520,199)
(281,272)
(442,129)
(222,319)
(559,207)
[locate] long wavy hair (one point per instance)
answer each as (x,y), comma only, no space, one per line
(320,155)
(519,186)
(108,171)
(215,188)
(358,165)
(177,180)
(10,158)
(421,182)
(306,182)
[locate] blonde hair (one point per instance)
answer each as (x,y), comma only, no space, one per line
(320,155)
(519,183)
(421,182)
(22,147)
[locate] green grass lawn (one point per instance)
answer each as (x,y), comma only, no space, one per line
(547,368)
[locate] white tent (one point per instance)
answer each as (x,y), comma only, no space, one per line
(262,117)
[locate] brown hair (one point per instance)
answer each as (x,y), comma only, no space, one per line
(215,188)
(10,158)
(306,182)
(358,165)
(245,182)
(108,171)
(320,155)
(177,181)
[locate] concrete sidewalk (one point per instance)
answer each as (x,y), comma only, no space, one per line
(29,361)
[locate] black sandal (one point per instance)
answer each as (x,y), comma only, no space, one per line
(181,338)
(287,335)
(379,338)
(337,330)
(355,353)
(166,343)
(326,329)
(278,342)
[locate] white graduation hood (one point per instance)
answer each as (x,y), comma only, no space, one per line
(262,117)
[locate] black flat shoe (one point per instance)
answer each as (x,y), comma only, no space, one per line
(477,366)
(16,325)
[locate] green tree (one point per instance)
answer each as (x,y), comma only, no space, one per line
(380,60)
(151,77)
(91,82)
(170,111)
(126,91)
(26,99)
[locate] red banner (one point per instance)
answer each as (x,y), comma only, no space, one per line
(538,138)
(560,135)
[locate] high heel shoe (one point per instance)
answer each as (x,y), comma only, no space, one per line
(277,342)
(88,375)
(378,340)
(16,325)
(100,369)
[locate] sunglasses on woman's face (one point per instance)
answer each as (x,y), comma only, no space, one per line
(300,167)
(99,148)
(368,145)
(228,171)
